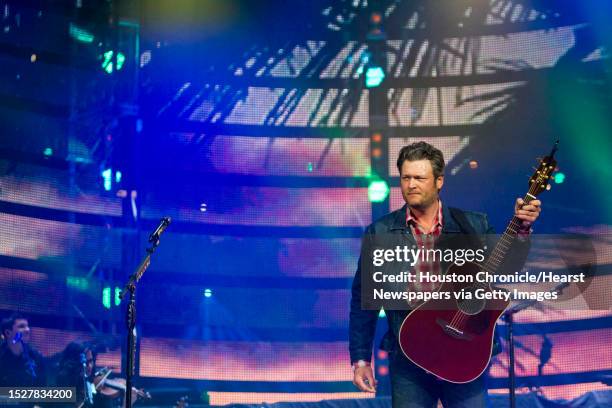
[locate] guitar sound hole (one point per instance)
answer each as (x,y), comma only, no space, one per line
(471,306)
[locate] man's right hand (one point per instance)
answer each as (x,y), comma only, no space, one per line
(363,378)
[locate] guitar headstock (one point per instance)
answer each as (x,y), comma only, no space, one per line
(539,180)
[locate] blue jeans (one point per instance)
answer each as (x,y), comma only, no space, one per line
(412,387)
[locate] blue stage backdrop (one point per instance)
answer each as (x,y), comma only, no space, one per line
(271,155)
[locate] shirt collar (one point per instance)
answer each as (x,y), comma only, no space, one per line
(438,221)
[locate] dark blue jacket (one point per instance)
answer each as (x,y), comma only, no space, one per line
(362,324)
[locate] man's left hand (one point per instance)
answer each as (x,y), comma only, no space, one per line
(527,213)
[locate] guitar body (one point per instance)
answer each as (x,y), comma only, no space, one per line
(452,339)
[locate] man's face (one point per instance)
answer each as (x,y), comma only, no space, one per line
(20,326)
(419,187)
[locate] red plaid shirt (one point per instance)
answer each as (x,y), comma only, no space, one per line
(425,240)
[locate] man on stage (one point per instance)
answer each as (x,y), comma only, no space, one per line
(425,218)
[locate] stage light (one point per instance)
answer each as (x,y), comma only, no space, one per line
(33,58)
(378,191)
(207,293)
(107,176)
(310,167)
(365,56)
(374,77)
(77,282)
(559,178)
(107,62)
(106,297)
(382,314)
(375,32)
(376,18)
(383,370)
(117,298)
(120,60)
(48,151)
(145,58)
(376,150)
(473,164)
(80,34)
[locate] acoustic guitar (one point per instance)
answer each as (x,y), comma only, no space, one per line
(453,339)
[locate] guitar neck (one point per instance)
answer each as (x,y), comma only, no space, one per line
(500,251)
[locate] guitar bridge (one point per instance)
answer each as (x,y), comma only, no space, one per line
(453,331)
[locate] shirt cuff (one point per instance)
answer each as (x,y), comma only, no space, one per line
(361,363)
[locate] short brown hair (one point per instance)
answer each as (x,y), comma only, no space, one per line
(422,151)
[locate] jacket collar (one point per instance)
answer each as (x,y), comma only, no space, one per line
(399,219)
(449,223)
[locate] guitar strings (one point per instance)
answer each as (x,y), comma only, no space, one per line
(459,318)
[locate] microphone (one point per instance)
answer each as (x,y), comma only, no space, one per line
(163,224)
(17,338)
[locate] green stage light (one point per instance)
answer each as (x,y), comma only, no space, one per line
(120,60)
(117,296)
(80,34)
(107,176)
(378,191)
(559,178)
(107,62)
(48,152)
(374,76)
(106,297)
(77,282)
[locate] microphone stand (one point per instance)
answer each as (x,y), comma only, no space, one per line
(131,308)
(509,319)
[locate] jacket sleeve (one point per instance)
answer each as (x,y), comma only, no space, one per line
(362,323)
